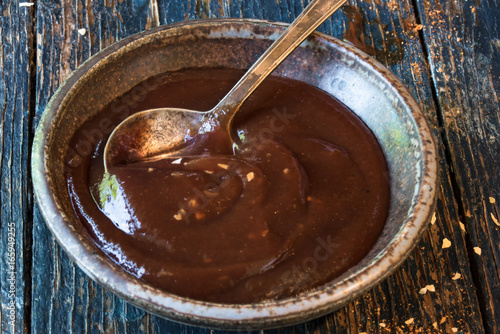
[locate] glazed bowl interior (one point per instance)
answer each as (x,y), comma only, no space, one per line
(367,88)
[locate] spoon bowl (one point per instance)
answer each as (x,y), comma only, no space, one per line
(151,132)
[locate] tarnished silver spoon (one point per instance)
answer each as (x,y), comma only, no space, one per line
(159,132)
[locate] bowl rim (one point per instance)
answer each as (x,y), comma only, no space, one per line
(266,314)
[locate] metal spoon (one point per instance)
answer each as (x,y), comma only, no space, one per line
(159,132)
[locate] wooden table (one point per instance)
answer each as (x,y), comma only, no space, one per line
(446,52)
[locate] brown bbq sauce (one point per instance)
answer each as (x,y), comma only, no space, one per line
(302,200)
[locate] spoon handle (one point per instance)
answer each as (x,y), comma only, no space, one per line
(312,16)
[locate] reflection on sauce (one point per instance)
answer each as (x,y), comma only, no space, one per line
(303,200)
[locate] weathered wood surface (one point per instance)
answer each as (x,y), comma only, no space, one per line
(463,42)
(447,54)
(16,106)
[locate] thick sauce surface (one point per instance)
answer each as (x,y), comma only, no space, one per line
(303,199)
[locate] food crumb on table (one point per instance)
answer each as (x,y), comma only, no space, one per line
(429,287)
(446,243)
(433,219)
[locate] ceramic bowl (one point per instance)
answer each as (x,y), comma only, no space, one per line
(353,77)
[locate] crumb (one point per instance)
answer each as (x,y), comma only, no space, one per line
(382,324)
(209,172)
(456,276)
(150,169)
(419,27)
(176,162)
(82,31)
(477,250)
(443,319)
(454,329)
(409,321)
(424,290)
(492,200)
(26,4)
(179,215)
(433,219)
(223,166)
(250,176)
(435,325)
(446,243)
(285,170)
(462,226)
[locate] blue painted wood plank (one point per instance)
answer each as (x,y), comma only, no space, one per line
(16,57)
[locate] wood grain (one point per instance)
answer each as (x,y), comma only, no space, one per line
(462,39)
(446,53)
(16,106)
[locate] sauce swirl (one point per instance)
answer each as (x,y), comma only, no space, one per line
(302,200)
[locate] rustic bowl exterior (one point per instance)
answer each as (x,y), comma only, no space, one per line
(362,84)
